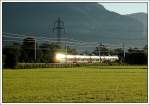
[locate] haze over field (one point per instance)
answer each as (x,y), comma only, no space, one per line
(89,22)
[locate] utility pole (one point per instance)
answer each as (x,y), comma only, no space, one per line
(66,49)
(100,51)
(124,53)
(35,49)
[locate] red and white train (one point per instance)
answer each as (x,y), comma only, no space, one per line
(62,58)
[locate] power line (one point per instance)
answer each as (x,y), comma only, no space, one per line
(54,40)
(28,36)
(70,42)
(45,38)
(70,39)
(77,50)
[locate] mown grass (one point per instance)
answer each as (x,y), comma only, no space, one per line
(80,84)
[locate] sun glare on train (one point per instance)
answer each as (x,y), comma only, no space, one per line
(60,56)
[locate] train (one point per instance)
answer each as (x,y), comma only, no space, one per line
(65,58)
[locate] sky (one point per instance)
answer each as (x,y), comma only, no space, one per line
(126,8)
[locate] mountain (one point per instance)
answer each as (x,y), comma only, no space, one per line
(89,22)
(140,16)
(143,18)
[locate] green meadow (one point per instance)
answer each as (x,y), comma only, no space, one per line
(94,84)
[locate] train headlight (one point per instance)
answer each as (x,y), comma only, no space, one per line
(60,56)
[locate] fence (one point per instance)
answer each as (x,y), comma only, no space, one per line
(59,65)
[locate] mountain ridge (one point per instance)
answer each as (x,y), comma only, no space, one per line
(89,22)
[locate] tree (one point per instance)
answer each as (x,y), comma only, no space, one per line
(11,54)
(103,50)
(135,56)
(120,53)
(71,50)
(28,50)
(47,52)
(146,50)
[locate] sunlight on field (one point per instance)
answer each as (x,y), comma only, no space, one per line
(80,84)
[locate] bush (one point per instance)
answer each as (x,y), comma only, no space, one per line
(10,60)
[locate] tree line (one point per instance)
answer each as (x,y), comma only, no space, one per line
(29,51)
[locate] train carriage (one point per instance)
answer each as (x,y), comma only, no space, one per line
(62,58)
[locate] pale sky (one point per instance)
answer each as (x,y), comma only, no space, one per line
(126,8)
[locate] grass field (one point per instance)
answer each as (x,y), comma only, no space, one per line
(80,84)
